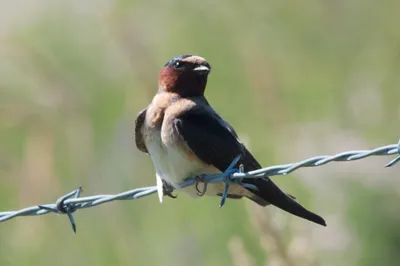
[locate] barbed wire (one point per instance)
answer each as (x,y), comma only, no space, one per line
(71,202)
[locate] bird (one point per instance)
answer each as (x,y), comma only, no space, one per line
(186,137)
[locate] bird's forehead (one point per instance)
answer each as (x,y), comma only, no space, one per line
(195,59)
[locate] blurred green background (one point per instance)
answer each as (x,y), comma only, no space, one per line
(314,77)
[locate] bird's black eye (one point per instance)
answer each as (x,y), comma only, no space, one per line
(178,64)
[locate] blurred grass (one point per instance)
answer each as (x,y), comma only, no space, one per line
(295,80)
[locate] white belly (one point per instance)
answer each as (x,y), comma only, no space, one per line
(173,164)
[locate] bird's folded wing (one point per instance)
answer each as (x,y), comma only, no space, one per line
(141,117)
(212,140)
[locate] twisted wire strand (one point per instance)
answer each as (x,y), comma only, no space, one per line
(71,202)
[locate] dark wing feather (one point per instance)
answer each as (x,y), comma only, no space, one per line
(208,138)
(215,142)
(141,117)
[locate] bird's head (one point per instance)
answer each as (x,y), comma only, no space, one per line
(185,75)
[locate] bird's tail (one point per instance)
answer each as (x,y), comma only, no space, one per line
(269,193)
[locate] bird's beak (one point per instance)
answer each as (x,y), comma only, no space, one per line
(201,69)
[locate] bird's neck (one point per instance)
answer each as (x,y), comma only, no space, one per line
(183,84)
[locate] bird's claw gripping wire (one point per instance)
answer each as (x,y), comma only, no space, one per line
(199,179)
(226,178)
(62,208)
(167,191)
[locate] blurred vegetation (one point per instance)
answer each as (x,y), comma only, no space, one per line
(295,79)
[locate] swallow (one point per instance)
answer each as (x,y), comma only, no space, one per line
(185,137)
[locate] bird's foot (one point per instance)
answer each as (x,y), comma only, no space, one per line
(199,179)
(167,191)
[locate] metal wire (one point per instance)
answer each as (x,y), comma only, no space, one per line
(71,202)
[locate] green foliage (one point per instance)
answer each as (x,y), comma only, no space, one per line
(374,217)
(295,80)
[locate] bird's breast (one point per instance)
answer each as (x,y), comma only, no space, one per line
(173,161)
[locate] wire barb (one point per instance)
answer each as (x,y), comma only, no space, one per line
(227,174)
(71,202)
(394,161)
(62,208)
